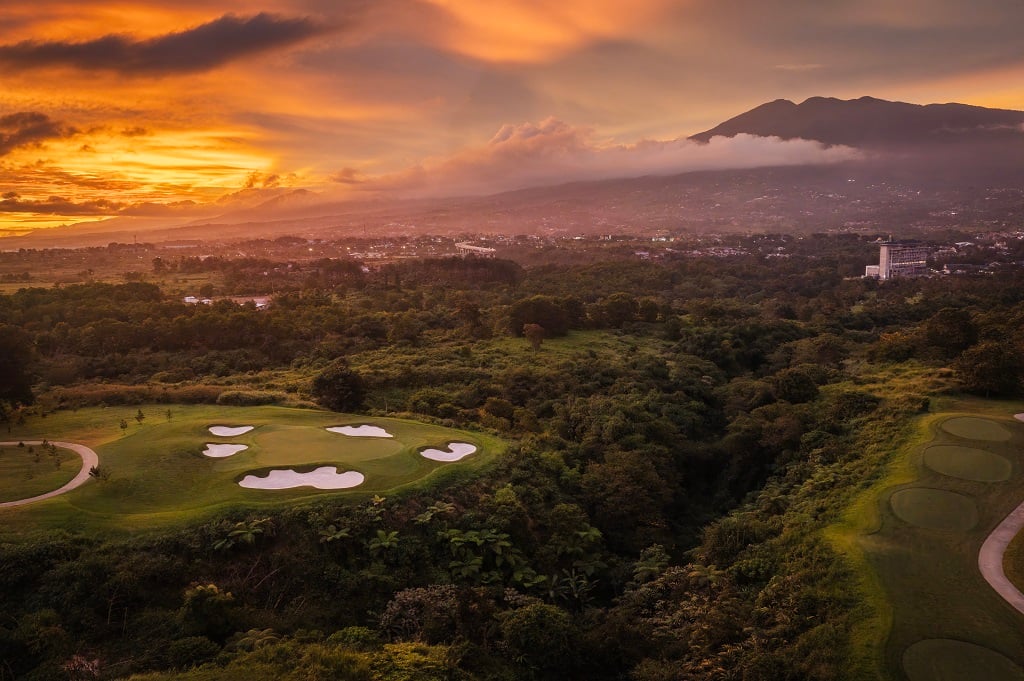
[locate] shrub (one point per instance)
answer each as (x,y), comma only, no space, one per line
(339,388)
(191,651)
(249,398)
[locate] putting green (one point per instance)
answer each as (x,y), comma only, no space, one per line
(967,463)
(940,659)
(934,509)
(156,470)
(972,428)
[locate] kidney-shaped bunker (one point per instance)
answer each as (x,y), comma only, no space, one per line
(455,452)
(325,477)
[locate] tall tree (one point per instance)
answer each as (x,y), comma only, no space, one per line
(992,368)
(15,356)
(339,388)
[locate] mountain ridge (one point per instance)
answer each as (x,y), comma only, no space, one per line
(869,123)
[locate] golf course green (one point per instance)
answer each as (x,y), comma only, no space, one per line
(935,509)
(154,470)
(971,428)
(968,463)
(921,530)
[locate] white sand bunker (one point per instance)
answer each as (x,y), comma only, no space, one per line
(360,431)
(455,451)
(230,431)
(325,477)
(221,451)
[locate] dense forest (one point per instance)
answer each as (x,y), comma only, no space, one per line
(680,431)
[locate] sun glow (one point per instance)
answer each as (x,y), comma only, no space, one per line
(106,173)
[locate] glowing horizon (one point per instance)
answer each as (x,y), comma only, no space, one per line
(185,110)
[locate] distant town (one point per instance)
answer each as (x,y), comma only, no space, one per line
(255,270)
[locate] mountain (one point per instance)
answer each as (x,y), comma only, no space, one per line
(926,167)
(870,123)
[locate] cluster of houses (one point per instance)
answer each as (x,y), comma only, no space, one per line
(260,301)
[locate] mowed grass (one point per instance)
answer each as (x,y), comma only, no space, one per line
(30,471)
(920,533)
(934,509)
(968,463)
(971,428)
(948,660)
(158,474)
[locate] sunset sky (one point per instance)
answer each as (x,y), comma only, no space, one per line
(188,109)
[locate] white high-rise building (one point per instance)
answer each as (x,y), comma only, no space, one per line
(899,260)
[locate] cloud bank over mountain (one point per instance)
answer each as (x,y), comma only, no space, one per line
(554,152)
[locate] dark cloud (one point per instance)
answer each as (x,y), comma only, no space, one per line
(197,49)
(12,202)
(39,175)
(29,128)
(57,205)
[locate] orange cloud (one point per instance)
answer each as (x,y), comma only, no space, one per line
(537,30)
(104,172)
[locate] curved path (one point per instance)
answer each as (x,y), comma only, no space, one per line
(990,558)
(89,459)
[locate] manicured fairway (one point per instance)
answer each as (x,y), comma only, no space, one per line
(923,527)
(968,463)
(25,473)
(157,471)
(948,660)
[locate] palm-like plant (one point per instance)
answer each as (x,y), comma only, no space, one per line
(244,532)
(333,533)
(384,541)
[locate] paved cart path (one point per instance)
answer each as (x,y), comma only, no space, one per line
(990,558)
(89,459)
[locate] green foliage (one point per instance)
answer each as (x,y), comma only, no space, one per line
(192,651)
(714,410)
(992,368)
(416,662)
(15,358)
(339,388)
(553,314)
(426,615)
(795,386)
(249,398)
(244,533)
(540,636)
(950,331)
(207,611)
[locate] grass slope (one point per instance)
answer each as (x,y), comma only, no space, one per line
(25,474)
(158,475)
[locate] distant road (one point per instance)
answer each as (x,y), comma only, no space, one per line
(89,459)
(990,558)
